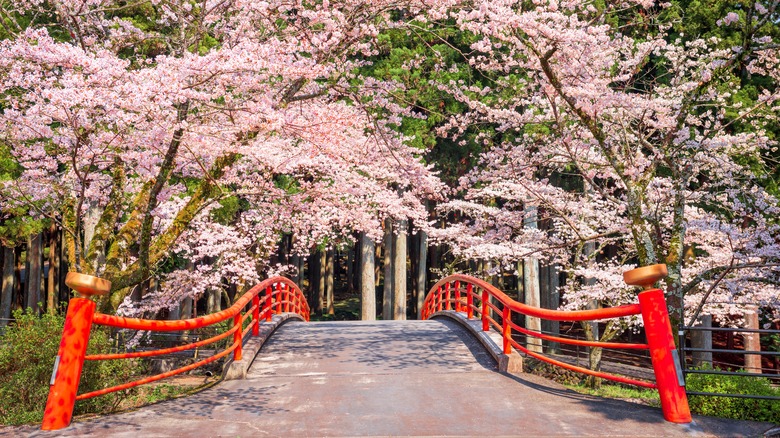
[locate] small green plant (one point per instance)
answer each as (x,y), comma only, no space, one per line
(770,343)
(27,351)
(153,394)
(732,407)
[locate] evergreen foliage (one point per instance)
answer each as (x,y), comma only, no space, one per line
(27,351)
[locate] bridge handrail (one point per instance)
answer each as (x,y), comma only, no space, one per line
(192,323)
(282,295)
(652,307)
(549,314)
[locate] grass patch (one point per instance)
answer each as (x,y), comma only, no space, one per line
(640,395)
(171,388)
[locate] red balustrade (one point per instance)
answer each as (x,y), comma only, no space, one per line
(281,295)
(484,300)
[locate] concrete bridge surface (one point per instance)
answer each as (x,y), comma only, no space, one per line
(394,378)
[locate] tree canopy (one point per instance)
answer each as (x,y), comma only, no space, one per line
(594,135)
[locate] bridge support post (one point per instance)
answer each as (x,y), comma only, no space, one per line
(268,302)
(255,315)
(485,309)
(658,329)
(238,337)
(68,364)
(506,332)
(469,300)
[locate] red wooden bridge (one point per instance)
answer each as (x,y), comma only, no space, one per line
(456,372)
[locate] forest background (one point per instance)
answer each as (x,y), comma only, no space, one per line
(186,150)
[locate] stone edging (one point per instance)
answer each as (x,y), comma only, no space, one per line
(236,370)
(492,341)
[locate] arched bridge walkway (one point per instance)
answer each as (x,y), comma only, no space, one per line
(410,378)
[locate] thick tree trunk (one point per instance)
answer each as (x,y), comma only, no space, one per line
(54,270)
(367,289)
(422,270)
(213,300)
(500,283)
(594,354)
(34,274)
(173,315)
(357,272)
(301,270)
(62,270)
(387,281)
(594,363)
(314,280)
(7,295)
(533,299)
(187,305)
(91,219)
(702,339)
(550,299)
(351,268)
(19,294)
(323,266)
(752,341)
(329,281)
(295,260)
(531,284)
(592,327)
(399,272)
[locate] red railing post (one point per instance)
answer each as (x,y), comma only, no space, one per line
(438,299)
(469,301)
(449,296)
(256,315)
(293,301)
(485,322)
(458,305)
(279,298)
(507,330)
(238,337)
(68,364)
(658,329)
(268,297)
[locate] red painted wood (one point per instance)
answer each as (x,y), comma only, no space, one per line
(553,315)
(158,376)
(658,329)
(81,315)
(193,323)
(161,351)
(71,354)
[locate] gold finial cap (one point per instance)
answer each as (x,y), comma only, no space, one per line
(87,285)
(645,276)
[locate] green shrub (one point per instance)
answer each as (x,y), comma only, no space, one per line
(732,407)
(27,352)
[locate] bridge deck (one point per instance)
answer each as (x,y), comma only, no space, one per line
(406,378)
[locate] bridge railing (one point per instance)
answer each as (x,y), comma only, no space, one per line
(272,296)
(481,300)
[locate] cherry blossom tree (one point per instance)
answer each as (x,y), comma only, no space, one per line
(160,115)
(628,145)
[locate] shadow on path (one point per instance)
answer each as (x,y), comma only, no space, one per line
(388,378)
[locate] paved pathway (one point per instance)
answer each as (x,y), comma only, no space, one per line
(410,378)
